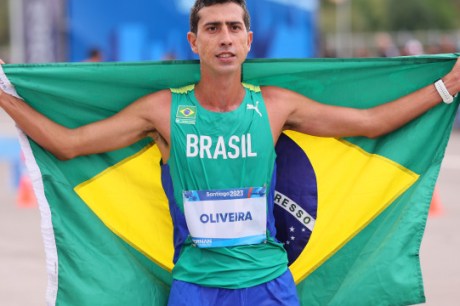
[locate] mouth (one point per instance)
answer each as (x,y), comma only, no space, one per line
(225,55)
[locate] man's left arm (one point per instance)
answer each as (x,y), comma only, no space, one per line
(290,110)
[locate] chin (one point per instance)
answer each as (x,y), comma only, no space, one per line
(227,68)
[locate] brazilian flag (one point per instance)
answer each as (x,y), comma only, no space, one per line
(351,212)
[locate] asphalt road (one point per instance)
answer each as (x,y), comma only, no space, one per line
(22,259)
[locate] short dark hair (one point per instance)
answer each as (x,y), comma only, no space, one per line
(199,4)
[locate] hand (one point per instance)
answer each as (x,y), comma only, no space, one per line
(1,61)
(452,79)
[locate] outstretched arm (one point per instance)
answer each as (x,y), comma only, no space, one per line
(133,123)
(307,116)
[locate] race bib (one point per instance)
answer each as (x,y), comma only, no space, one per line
(222,218)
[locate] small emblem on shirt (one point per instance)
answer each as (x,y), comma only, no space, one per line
(186,114)
(255,107)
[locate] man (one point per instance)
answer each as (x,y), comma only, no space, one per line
(217,142)
(94,56)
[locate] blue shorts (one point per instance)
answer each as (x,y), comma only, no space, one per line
(279,292)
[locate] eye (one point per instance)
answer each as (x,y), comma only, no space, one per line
(211,29)
(236,27)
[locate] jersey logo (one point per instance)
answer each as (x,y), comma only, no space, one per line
(255,107)
(186,114)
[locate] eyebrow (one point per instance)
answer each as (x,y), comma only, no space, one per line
(217,23)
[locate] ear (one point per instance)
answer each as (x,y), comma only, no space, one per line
(191,37)
(250,38)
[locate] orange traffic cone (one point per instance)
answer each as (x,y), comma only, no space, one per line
(26,197)
(435,206)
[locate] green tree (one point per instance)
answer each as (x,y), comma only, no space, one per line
(422,15)
(395,15)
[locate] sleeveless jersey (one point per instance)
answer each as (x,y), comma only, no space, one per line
(222,153)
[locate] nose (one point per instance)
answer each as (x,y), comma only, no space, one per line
(226,37)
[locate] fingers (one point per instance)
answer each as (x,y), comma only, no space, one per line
(453,78)
(1,61)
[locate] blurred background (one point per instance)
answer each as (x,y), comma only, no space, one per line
(40,31)
(139,30)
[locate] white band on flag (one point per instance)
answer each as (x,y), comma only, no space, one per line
(295,210)
(47,228)
(6,85)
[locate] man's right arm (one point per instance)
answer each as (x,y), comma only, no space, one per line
(133,123)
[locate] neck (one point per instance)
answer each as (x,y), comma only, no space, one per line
(220,94)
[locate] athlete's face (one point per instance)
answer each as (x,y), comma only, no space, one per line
(222,40)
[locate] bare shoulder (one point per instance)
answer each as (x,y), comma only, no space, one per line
(279,95)
(274,92)
(279,107)
(281,98)
(160,98)
(152,106)
(290,110)
(151,112)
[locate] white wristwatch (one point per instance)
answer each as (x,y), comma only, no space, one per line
(443,92)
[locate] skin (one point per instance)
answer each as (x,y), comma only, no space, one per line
(222,43)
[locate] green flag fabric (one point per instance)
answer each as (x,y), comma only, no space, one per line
(105,220)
